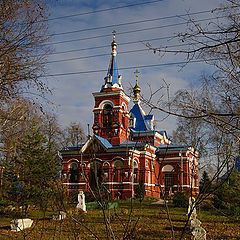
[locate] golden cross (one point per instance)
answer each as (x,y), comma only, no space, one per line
(114,34)
(136,72)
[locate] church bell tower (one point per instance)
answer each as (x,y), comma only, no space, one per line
(111,114)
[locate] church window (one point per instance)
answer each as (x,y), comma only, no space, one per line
(135,164)
(168,177)
(135,170)
(83,165)
(73,175)
(168,182)
(149,177)
(118,164)
(106,164)
(123,120)
(132,121)
(107,115)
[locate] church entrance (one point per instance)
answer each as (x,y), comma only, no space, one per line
(96,174)
(168,171)
(168,182)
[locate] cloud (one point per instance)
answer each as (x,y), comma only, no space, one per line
(73,93)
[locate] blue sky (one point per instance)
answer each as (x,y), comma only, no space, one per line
(72,94)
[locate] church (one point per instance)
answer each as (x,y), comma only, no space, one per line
(126,149)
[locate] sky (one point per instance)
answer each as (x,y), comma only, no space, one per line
(72,93)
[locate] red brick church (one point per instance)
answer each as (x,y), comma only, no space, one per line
(126,148)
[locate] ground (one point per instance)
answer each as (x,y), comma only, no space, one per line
(148,221)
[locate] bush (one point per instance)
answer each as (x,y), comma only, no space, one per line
(207,204)
(180,200)
(227,196)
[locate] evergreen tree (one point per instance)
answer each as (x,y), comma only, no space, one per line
(140,191)
(205,183)
(32,171)
(227,196)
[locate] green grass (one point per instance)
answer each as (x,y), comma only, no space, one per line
(148,221)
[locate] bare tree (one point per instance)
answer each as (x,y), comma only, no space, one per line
(15,118)
(210,114)
(216,43)
(23,31)
(73,135)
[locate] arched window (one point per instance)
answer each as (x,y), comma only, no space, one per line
(135,164)
(135,171)
(73,172)
(83,165)
(118,164)
(168,177)
(107,115)
(106,164)
(117,175)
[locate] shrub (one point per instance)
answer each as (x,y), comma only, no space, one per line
(227,196)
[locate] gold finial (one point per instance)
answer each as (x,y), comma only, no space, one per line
(114,44)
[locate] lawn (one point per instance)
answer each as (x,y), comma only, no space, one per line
(145,221)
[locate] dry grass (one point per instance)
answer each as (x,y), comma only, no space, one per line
(147,222)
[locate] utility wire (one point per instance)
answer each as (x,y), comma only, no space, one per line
(92,56)
(127,68)
(126,6)
(104,10)
(119,44)
(131,23)
(131,31)
(123,52)
(107,46)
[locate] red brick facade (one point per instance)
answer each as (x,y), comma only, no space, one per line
(125,149)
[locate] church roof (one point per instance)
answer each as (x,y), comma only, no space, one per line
(104,141)
(165,148)
(148,117)
(133,144)
(141,123)
(113,70)
(72,148)
(123,144)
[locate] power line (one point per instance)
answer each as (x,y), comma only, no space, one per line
(107,46)
(126,6)
(92,56)
(131,23)
(119,44)
(104,10)
(127,68)
(132,31)
(123,52)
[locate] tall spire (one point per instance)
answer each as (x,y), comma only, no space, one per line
(113,79)
(136,89)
